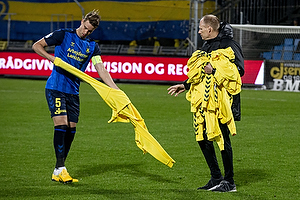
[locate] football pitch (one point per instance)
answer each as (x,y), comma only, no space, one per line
(109,165)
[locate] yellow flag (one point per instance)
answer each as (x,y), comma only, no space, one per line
(123,111)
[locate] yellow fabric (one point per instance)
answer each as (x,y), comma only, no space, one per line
(208,93)
(123,111)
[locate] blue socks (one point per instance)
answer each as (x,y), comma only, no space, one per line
(59,144)
(69,137)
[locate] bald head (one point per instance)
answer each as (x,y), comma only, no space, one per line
(209,27)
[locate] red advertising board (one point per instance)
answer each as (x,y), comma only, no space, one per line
(120,67)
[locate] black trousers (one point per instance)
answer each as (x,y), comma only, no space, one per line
(209,153)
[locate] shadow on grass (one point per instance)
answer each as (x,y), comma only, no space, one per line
(152,186)
(244,177)
(135,170)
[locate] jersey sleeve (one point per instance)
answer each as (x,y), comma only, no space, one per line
(97,50)
(55,38)
(239,57)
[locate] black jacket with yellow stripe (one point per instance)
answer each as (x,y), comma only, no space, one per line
(223,41)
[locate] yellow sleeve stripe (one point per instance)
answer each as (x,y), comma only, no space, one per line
(96,59)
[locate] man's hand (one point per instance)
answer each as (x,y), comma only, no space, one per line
(208,69)
(176,89)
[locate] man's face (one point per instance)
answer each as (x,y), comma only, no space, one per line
(204,30)
(85,29)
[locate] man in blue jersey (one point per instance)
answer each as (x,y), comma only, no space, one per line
(62,88)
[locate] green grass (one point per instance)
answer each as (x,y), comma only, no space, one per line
(109,165)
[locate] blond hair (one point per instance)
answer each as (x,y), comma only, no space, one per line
(93,17)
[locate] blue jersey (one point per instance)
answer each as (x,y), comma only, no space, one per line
(73,50)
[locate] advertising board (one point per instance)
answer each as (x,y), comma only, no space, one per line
(282,76)
(142,68)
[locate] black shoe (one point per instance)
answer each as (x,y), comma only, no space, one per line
(224,186)
(212,183)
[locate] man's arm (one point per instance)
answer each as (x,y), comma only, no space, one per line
(39,48)
(239,57)
(105,76)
